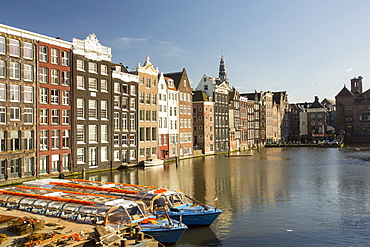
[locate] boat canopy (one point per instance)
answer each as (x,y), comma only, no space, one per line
(78,207)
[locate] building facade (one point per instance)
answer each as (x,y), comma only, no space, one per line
(18,103)
(148,108)
(93,104)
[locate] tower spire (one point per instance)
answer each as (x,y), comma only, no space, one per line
(222,72)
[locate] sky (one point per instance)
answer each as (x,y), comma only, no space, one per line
(306,48)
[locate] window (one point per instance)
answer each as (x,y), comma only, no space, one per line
(27,50)
(65,117)
(55,163)
(116,87)
(133,90)
(43,75)
(44,95)
(80,82)
(148,82)
(93,156)
(65,97)
(116,101)
(104,69)
(141,97)
(43,54)
(28,72)
(2,92)
(65,162)
(147,115)
(54,56)
(55,139)
(2,115)
(65,78)
(132,139)
(2,68)
(15,168)
(154,133)
(14,113)
(154,115)
(104,85)
(55,117)
(80,65)
(93,84)
(80,156)
(14,49)
(125,89)
(147,133)
(80,134)
(147,98)
(14,140)
(154,99)
(154,82)
(93,67)
(44,164)
(55,76)
(54,96)
(104,109)
(141,115)
(132,121)
(124,140)
(2,45)
(124,121)
(14,70)
(116,120)
(116,140)
(2,140)
(116,155)
(65,58)
(124,103)
(28,166)
(104,154)
(93,110)
(28,115)
(14,93)
(28,94)
(43,116)
(141,133)
(93,131)
(104,133)
(80,111)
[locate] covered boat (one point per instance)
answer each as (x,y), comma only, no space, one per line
(92,209)
(157,200)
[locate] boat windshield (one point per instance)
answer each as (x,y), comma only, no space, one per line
(118,216)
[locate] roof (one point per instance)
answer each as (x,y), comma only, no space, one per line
(200,96)
(344,93)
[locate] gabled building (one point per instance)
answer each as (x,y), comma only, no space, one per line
(316,120)
(203,122)
(54,109)
(163,127)
(18,103)
(217,89)
(172,118)
(125,117)
(353,112)
(96,118)
(182,84)
(148,108)
(235,119)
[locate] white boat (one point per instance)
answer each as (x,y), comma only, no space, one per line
(153,162)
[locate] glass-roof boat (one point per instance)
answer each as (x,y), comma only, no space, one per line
(93,209)
(158,201)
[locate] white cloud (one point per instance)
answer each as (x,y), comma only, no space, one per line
(171,49)
(127,41)
(349,69)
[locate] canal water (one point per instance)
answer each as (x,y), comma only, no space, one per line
(276,197)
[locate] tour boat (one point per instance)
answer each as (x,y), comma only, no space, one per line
(158,201)
(92,208)
(152,162)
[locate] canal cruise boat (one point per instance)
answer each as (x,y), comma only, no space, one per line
(158,201)
(92,208)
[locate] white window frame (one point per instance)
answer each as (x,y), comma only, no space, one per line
(27,50)
(2,92)
(2,68)
(65,58)
(43,54)
(43,75)
(28,94)
(15,92)
(54,55)
(28,72)
(14,48)
(14,71)
(28,115)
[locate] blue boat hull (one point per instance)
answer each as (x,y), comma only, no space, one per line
(168,236)
(205,218)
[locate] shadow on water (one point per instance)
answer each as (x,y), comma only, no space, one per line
(198,236)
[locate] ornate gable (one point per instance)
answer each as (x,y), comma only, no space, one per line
(91,48)
(147,68)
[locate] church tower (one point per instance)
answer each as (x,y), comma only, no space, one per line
(356,85)
(222,72)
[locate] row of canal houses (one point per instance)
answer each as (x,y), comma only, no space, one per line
(66,107)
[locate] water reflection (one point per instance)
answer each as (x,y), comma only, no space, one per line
(319,194)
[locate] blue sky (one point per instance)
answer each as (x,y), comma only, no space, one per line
(306,48)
